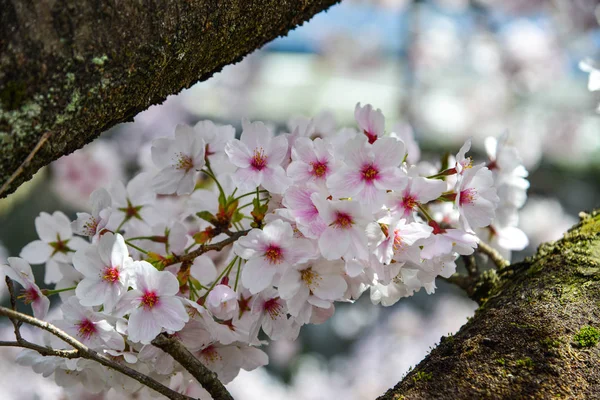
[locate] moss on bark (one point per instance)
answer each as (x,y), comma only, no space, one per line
(521,342)
(71,70)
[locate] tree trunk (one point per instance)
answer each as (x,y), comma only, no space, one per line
(71,70)
(531,337)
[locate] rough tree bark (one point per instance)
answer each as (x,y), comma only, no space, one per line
(526,340)
(70,70)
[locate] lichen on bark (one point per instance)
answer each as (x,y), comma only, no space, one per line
(520,343)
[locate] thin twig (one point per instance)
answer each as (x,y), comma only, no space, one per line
(45,351)
(203,375)
(87,353)
(493,254)
(43,139)
(233,236)
(13,305)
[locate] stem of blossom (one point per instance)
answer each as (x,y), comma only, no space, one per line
(121,224)
(135,247)
(225,271)
(83,351)
(208,171)
(249,194)
(203,375)
(493,254)
(440,175)
(237,275)
(425,213)
(48,292)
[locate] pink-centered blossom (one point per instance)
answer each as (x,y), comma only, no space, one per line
(269,252)
(270,313)
(476,198)
(258,156)
(19,271)
(152,305)
(91,224)
(312,161)
(417,191)
(369,171)
(106,268)
(298,200)
(370,121)
(344,236)
(89,327)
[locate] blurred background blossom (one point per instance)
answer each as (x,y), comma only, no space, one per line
(448,70)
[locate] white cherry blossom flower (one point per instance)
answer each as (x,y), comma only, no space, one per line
(476,198)
(91,224)
(369,171)
(258,156)
(345,233)
(133,203)
(312,161)
(317,283)
(269,252)
(371,122)
(418,190)
(20,271)
(178,159)
(152,305)
(106,269)
(270,312)
(222,302)
(89,327)
(56,244)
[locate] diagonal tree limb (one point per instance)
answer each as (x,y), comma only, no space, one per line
(71,70)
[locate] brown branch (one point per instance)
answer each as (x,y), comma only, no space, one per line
(205,248)
(45,351)
(85,352)
(63,83)
(13,305)
(203,375)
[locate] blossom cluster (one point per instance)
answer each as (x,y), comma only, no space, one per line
(224,238)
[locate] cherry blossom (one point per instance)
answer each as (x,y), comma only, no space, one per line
(106,269)
(268,252)
(282,227)
(345,233)
(417,191)
(91,224)
(56,244)
(89,327)
(369,171)
(476,198)
(178,160)
(20,271)
(370,121)
(258,156)
(152,305)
